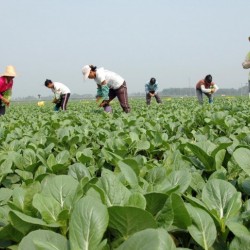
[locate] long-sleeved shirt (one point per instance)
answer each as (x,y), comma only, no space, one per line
(206,87)
(246,64)
(113,81)
(60,89)
(4,86)
(151,87)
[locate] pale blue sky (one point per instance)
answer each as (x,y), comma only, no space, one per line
(176,41)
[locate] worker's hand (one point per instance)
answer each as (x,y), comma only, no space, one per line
(152,94)
(212,91)
(103,103)
(5,101)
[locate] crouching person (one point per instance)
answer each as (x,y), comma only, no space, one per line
(6,83)
(151,89)
(61,92)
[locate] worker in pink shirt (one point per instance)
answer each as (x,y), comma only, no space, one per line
(6,83)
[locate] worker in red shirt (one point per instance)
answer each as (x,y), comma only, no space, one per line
(207,87)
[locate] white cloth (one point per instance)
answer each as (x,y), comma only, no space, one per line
(113,80)
(246,64)
(60,89)
(204,90)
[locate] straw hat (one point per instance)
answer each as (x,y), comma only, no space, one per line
(9,71)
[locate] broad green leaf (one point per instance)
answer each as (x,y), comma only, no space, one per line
(29,157)
(48,207)
(63,157)
(137,200)
(51,161)
(142,145)
(181,215)
(81,189)
(133,136)
(246,186)
(129,220)
(242,157)
(240,244)
(219,158)
(128,173)
(8,232)
(110,156)
(23,196)
(116,193)
(149,239)
(156,175)
(43,240)
(25,175)
(5,167)
(88,223)
(25,223)
(18,160)
(206,160)
(165,217)
(179,178)
(155,202)
(61,187)
(5,194)
(202,229)
(222,199)
(197,182)
(238,230)
(222,146)
(79,171)
(84,156)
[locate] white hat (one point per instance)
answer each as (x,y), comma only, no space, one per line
(9,71)
(85,71)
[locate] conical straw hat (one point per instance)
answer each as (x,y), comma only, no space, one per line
(9,71)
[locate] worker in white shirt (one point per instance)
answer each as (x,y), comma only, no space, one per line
(109,86)
(246,65)
(61,92)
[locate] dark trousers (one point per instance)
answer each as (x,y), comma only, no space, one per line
(2,108)
(122,95)
(148,97)
(199,94)
(63,102)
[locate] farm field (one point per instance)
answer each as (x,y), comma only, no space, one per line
(164,177)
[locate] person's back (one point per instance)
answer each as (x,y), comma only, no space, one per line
(246,65)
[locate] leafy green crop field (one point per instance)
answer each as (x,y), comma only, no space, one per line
(164,177)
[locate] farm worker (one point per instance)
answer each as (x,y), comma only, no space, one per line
(109,86)
(206,86)
(246,65)
(6,83)
(61,92)
(151,89)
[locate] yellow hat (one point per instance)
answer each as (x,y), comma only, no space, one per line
(9,71)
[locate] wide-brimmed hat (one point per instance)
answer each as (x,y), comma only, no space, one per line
(9,71)
(85,71)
